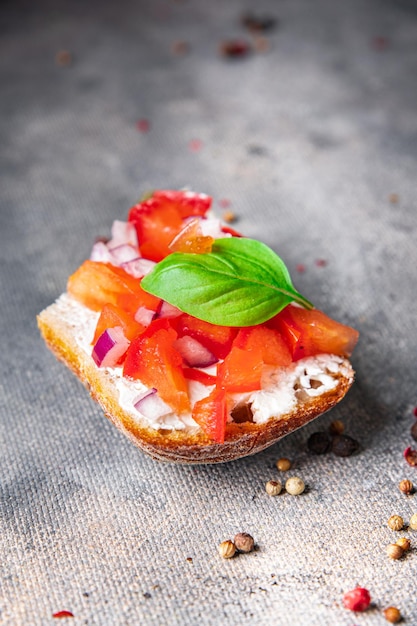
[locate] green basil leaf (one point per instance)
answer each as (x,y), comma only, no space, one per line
(241,282)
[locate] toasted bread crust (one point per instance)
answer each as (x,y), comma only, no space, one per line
(179,446)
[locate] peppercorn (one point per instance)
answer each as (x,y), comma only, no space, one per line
(283,464)
(392,614)
(410,456)
(343,445)
(319,442)
(273,487)
(337,427)
(396,522)
(357,599)
(295,486)
(227,549)
(414,431)
(404,543)
(394,551)
(244,542)
(413,522)
(406,486)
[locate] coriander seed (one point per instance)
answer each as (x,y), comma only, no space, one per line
(227,549)
(394,551)
(337,427)
(283,464)
(392,614)
(413,522)
(396,522)
(406,486)
(295,486)
(244,542)
(273,487)
(404,543)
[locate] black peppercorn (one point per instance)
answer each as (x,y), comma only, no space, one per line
(319,442)
(343,445)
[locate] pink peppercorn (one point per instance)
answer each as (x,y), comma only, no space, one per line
(357,599)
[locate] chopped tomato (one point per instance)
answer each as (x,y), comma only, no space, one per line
(192,373)
(157,223)
(95,284)
(310,332)
(187,203)
(217,339)
(112,316)
(152,359)
(267,341)
(241,370)
(211,414)
(191,239)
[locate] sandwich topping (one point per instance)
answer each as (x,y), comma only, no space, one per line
(198,325)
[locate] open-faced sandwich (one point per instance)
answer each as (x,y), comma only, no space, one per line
(193,339)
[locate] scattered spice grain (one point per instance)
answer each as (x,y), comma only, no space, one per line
(413,522)
(244,542)
(410,456)
(357,599)
(404,543)
(406,486)
(392,614)
(337,427)
(61,614)
(343,445)
(283,464)
(396,522)
(295,486)
(394,551)
(229,217)
(227,549)
(273,487)
(319,442)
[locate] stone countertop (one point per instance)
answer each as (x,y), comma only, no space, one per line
(311,140)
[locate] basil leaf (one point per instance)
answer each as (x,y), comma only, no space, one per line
(241,282)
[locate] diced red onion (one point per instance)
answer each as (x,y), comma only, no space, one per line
(123,253)
(110,347)
(101,253)
(212,227)
(194,353)
(168,310)
(151,406)
(144,316)
(138,267)
(123,232)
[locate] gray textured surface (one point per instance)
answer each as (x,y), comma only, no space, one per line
(307,140)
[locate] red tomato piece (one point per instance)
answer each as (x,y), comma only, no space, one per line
(95,284)
(211,414)
(191,373)
(152,358)
(310,332)
(112,316)
(157,222)
(241,370)
(267,341)
(191,239)
(187,203)
(217,339)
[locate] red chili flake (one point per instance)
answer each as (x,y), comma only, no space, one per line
(60,614)
(380,43)
(143,125)
(321,262)
(235,48)
(195,145)
(300,268)
(357,599)
(410,456)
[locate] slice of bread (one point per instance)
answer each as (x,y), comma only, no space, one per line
(67,328)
